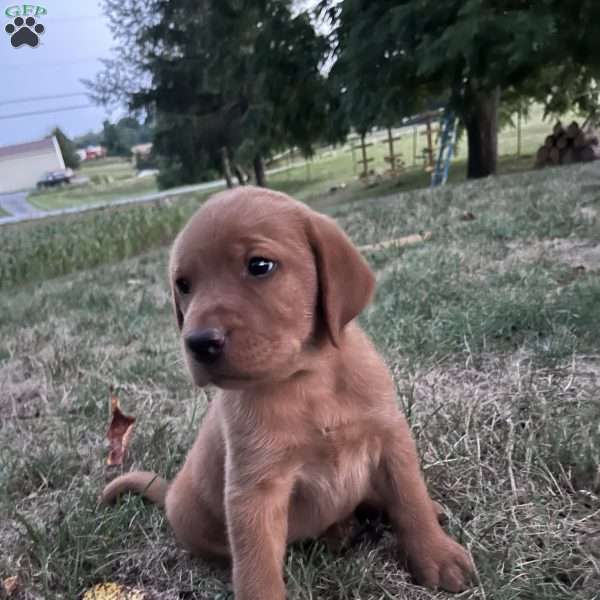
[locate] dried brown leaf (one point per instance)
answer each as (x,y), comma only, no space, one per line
(11,585)
(118,434)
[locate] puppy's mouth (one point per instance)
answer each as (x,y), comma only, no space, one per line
(230,367)
(221,377)
(216,377)
(233,382)
(233,379)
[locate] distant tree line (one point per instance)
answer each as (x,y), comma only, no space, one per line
(228,83)
(67,148)
(119,137)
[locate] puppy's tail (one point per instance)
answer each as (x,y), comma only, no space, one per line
(146,483)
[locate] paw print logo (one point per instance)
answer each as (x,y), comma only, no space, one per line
(24,31)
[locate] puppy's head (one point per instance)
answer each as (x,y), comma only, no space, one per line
(258,281)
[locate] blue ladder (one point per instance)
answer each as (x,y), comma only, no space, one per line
(447,142)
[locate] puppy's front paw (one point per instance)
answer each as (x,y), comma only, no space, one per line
(440,564)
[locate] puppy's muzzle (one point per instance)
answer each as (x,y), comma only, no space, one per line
(206,345)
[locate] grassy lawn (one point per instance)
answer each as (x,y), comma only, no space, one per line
(114,166)
(491,329)
(114,178)
(109,179)
(314,183)
(335,167)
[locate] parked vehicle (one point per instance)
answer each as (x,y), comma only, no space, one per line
(54,178)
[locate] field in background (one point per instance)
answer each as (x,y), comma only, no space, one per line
(114,178)
(329,180)
(109,179)
(491,330)
(54,246)
(59,245)
(336,167)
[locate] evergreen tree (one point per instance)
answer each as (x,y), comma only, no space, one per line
(237,79)
(67,149)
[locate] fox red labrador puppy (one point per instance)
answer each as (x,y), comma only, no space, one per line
(306,426)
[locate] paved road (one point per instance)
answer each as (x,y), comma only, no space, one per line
(17,216)
(16,204)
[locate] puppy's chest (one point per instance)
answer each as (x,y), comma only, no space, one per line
(339,466)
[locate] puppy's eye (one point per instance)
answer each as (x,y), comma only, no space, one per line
(261,267)
(183,285)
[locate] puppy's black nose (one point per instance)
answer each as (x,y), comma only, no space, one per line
(205,344)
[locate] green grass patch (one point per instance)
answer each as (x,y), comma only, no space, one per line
(101,188)
(109,179)
(434,304)
(43,249)
(336,166)
(115,166)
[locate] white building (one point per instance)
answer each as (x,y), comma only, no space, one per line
(22,165)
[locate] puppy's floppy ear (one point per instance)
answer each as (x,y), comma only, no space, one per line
(346,282)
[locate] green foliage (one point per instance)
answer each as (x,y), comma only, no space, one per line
(91,138)
(241,75)
(395,58)
(119,137)
(452,47)
(145,162)
(67,149)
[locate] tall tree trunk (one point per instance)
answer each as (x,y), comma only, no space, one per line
(259,171)
(242,177)
(226,167)
(481,122)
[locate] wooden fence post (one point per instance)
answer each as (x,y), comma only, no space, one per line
(415,139)
(519,132)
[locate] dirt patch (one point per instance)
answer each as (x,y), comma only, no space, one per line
(502,402)
(572,252)
(499,380)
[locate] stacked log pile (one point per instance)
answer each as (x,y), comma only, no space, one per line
(569,145)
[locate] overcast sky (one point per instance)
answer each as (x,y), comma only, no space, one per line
(76,37)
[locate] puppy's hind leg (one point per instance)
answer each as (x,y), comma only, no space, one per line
(195,500)
(195,523)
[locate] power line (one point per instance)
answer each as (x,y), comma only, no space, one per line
(43,112)
(36,98)
(52,64)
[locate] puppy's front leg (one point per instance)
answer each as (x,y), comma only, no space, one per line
(434,559)
(257,520)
